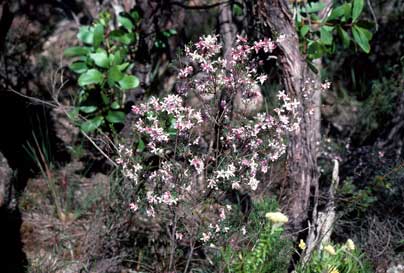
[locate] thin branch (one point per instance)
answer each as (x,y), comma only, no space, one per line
(373,14)
(99,149)
(54,105)
(36,100)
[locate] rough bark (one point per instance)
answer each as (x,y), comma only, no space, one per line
(227,28)
(5,181)
(301,84)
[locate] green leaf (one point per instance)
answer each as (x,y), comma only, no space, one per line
(86,34)
(237,10)
(100,59)
(126,22)
(313,7)
(304,30)
(140,146)
(73,114)
(98,35)
(92,124)
(123,37)
(315,50)
(117,57)
(336,13)
(115,116)
(76,51)
(92,76)
(88,109)
(360,38)
(123,66)
(115,105)
(357,9)
(366,32)
(346,40)
(78,67)
(326,35)
(129,82)
(114,74)
(105,98)
(347,10)
(135,15)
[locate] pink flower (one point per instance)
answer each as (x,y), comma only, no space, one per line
(133,207)
(185,72)
(197,164)
(241,39)
(136,109)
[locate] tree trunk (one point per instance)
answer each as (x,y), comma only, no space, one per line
(304,86)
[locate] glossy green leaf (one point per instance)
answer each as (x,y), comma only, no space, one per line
(123,37)
(126,22)
(336,13)
(76,51)
(117,57)
(88,109)
(114,74)
(92,76)
(100,59)
(346,40)
(86,34)
(366,32)
(347,11)
(135,16)
(313,7)
(116,116)
(357,9)
(78,67)
(326,35)
(304,30)
(361,38)
(98,35)
(140,146)
(129,82)
(123,66)
(115,105)
(92,124)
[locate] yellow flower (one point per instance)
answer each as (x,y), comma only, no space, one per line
(302,245)
(333,270)
(350,244)
(277,217)
(330,249)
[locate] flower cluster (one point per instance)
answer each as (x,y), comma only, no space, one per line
(185,155)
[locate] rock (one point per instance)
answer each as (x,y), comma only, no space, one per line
(5,181)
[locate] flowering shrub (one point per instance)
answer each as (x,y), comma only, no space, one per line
(181,172)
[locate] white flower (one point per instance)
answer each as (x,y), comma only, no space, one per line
(206,236)
(350,244)
(330,250)
(277,217)
(262,78)
(253,183)
(226,174)
(179,236)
